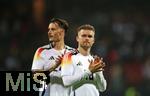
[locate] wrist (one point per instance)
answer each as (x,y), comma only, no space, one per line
(88,71)
(89,74)
(51,69)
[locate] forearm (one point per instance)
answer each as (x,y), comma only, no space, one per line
(101,82)
(76,78)
(55,74)
(52,68)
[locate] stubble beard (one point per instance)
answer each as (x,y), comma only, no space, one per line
(85,47)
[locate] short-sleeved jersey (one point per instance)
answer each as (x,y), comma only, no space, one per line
(76,64)
(44,58)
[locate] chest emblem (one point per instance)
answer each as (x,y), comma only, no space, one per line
(79,64)
(51,58)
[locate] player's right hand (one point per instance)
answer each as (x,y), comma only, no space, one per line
(58,62)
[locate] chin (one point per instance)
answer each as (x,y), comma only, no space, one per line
(86,47)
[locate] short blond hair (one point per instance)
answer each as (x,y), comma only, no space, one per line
(86,27)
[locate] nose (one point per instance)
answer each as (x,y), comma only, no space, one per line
(49,32)
(86,38)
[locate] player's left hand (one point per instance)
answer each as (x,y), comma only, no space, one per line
(100,62)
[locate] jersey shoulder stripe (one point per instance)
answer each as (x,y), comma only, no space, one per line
(47,47)
(68,47)
(66,59)
(73,51)
(38,53)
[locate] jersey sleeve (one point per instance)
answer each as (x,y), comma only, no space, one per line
(68,73)
(100,80)
(38,60)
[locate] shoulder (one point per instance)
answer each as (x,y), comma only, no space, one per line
(70,55)
(68,47)
(46,47)
(72,51)
(41,49)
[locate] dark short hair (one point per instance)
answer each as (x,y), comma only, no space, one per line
(86,27)
(61,22)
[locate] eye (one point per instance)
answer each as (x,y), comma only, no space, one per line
(84,35)
(90,36)
(52,29)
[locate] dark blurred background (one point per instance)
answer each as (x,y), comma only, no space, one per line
(122,38)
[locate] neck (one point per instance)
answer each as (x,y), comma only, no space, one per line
(59,45)
(84,51)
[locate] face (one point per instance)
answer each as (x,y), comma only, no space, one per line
(85,38)
(55,33)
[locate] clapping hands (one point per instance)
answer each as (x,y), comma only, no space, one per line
(97,64)
(58,62)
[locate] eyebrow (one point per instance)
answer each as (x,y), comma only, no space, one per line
(86,35)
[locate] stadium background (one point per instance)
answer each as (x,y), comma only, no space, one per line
(122,38)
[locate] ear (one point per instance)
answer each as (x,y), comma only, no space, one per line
(62,31)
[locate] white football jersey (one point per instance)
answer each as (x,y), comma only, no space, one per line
(75,73)
(44,58)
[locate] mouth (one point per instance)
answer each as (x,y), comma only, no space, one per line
(86,42)
(50,36)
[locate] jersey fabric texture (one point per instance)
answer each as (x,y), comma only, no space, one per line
(44,58)
(75,74)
